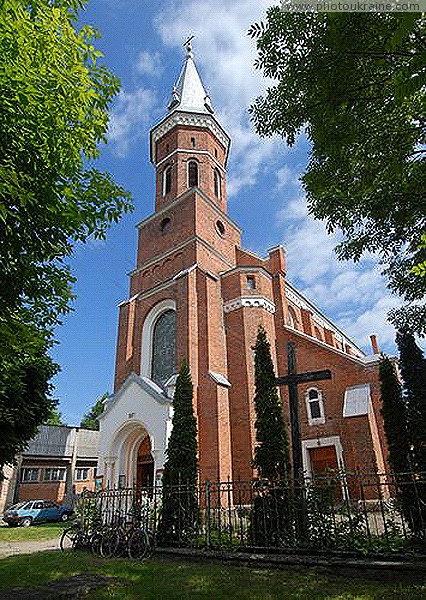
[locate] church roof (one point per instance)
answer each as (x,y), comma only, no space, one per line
(188,93)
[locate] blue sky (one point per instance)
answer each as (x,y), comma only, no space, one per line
(142,43)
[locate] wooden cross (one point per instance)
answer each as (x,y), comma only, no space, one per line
(292,380)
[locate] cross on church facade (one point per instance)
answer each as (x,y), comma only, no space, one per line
(292,380)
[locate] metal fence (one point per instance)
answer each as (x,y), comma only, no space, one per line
(338,512)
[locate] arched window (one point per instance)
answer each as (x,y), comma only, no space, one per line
(317,334)
(192,173)
(315,406)
(217,184)
(292,318)
(163,363)
(167,180)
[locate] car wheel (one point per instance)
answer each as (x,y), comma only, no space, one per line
(26,522)
(64,517)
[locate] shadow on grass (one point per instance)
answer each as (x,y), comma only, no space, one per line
(175,579)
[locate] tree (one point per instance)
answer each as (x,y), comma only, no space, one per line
(25,400)
(90,419)
(404,413)
(271,455)
(353,82)
(270,519)
(413,371)
(54,99)
(55,417)
(179,512)
(394,412)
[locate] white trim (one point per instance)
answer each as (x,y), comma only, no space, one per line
(249,302)
(220,379)
(147,333)
(318,443)
(191,120)
(192,151)
(315,420)
(167,169)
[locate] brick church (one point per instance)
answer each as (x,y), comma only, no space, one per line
(195,293)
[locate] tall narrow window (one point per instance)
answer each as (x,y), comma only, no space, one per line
(217,184)
(192,173)
(164,347)
(167,180)
(315,407)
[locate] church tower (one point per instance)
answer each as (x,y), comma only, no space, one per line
(175,306)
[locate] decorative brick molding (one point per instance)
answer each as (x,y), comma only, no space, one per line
(191,120)
(250,302)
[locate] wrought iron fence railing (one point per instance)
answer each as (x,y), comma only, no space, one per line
(339,511)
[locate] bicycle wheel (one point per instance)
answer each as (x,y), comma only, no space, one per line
(95,541)
(138,544)
(110,540)
(69,539)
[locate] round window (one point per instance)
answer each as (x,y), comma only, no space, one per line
(164,225)
(220,227)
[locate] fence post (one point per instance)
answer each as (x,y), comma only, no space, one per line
(208,540)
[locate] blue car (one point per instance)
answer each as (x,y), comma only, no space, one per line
(36,511)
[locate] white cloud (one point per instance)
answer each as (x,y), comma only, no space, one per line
(149,63)
(129,118)
(372,320)
(353,295)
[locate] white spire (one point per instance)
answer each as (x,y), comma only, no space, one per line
(188,92)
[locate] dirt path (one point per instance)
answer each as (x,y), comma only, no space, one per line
(26,547)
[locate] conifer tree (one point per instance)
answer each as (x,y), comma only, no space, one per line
(394,417)
(270,518)
(271,456)
(179,513)
(394,412)
(413,371)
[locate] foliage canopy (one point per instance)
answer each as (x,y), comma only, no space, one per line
(54,98)
(354,83)
(90,419)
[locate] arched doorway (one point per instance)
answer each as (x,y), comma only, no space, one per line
(145,464)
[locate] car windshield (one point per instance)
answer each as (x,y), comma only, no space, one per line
(20,505)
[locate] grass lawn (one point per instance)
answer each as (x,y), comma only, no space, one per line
(44,531)
(167,579)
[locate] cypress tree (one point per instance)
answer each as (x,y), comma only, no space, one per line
(271,455)
(413,371)
(179,512)
(270,519)
(394,416)
(394,412)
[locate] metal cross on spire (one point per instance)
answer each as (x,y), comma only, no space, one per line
(187,44)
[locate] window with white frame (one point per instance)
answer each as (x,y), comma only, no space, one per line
(54,474)
(164,347)
(217,184)
(357,400)
(315,406)
(167,180)
(192,173)
(29,474)
(81,473)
